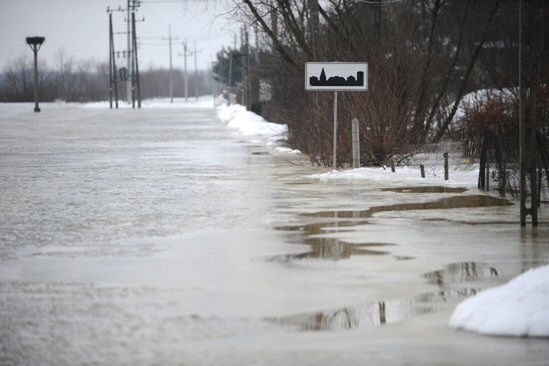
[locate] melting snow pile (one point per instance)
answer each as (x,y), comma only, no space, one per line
(518,308)
(404,175)
(250,124)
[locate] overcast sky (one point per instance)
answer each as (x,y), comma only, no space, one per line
(80,27)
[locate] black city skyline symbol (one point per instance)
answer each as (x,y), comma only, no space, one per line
(337,80)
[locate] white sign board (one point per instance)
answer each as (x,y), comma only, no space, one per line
(333,76)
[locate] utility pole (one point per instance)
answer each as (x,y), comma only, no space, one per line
(529,66)
(248,104)
(128,53)
(113,70)
(113,79)
(195,72)
(185,74)
(170,39)
(185,71)
(136,79)
(35,43)
(110,60)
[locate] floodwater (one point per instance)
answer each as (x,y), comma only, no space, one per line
(159,236)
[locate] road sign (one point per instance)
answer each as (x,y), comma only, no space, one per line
(333,76)
(336,76)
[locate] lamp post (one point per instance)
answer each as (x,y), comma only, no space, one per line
(35,43)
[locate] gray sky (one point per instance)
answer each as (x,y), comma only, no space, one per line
(81,28)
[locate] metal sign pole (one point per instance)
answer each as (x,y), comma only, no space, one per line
(334,163)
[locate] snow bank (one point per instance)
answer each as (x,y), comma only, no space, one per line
(404,175)
(518,308)
(250,124)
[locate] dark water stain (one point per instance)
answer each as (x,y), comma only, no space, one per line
(327,248)
(461,272)
(332,249)
(297,183)
(476,223)
(373,314)
(443,203)
(404,257)
(260,153)
(426,189)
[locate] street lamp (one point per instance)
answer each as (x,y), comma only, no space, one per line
(35,43)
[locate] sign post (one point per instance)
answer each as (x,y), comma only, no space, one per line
(336,76)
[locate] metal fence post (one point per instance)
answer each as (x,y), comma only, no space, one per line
(446,177)
(356,143)
(334,162)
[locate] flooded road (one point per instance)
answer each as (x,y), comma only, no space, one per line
(160,236)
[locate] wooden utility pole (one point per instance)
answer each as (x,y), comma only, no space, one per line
(186,80)
(247,38)
(113,75)
(170,39)
(128,53)
(136,80)
(529,72)
(195,72)
(110,61)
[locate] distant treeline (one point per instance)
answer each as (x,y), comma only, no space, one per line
(73,80)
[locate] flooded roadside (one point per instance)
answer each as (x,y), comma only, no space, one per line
(160,237)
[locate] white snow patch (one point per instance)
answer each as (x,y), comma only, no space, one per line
(250,124)
(519,308)
(287,150)
(404,175)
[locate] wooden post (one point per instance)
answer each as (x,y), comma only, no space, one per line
(529,46)
(392,165)
(110,62)
(356,143)
(334,157)
(488,170)
(446,176)
(422,169)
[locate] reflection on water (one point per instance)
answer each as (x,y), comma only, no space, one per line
(327,248)
(443,203)
(330,248)
(333,248)
(461,272)
(393,311)
(426,189)
(373,314)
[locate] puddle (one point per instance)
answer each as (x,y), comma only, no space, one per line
(373,314)
(260,153)
(327,248)
(443,203)
(460,273)
(332,249)
(426,189)
(385,312)
(297,183)
(404,258)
